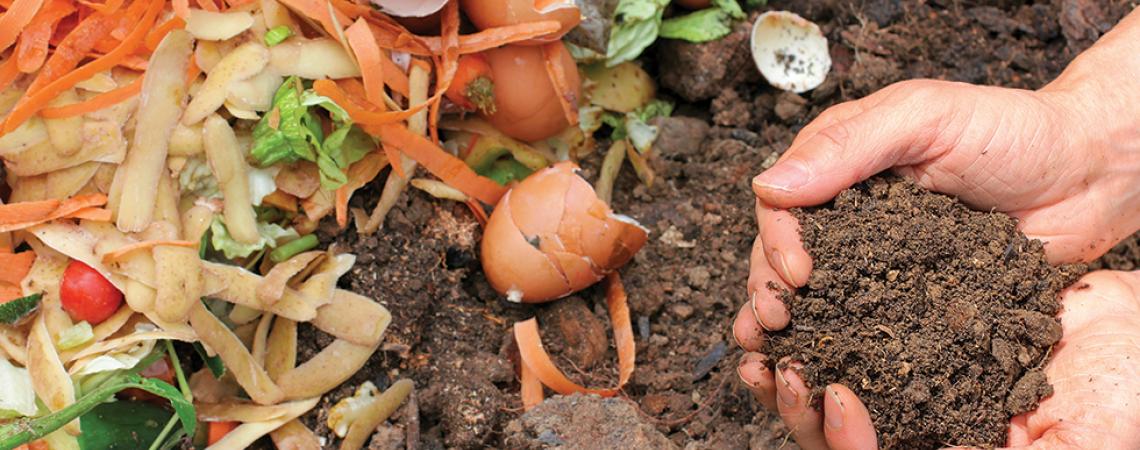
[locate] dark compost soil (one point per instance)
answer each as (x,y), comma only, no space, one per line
(449,327)
(937,316)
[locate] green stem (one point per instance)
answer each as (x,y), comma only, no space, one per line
(179,375)
(27,429)
(165,432)
(292,248)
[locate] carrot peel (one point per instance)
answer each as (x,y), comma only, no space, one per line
(557,72)
(17,216)
(535,358)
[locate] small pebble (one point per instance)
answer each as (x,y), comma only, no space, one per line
(710,360)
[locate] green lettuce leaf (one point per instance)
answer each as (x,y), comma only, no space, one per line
(17,397)
(270,233)
(289,131)
(731,7)
(636,23)
(344,146)
(705,25)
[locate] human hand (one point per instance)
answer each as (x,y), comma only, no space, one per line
(1092,371)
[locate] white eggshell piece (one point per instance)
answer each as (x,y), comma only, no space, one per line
(790,51)
(410,8)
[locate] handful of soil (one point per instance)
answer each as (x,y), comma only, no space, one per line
(940,318)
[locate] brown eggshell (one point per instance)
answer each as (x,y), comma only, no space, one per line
(551,236)
(526,104)
(496,13)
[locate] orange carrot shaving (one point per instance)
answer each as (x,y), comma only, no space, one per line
(318,11)
(368,57)
(358,113)
(33,47)
(181,8)
(477,209)
(9,71)
(208,5)
(155,36)
(448,168)
(110,7)
(9,292)
(219,430)
(16,266)
(31,104)
(104,100)
(341,207)
(395,160)
(73,49)
(538,361)
(15,19)
(394,76)
(490,37)
(531,392)
(96,214)
(119,253)
(552,55)
(17,216)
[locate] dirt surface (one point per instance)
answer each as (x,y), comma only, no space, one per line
(687,283)
(900,275)
(584,422)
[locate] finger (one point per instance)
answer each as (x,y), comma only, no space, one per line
(746,329)
(829,117)
(847,424)
(758,379)
(891,133)
(793,398)
(780,233)
(764,287)
(1018,431)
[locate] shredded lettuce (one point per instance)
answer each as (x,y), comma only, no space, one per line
(271,234)
(17,397)
(262,182)
(277,35)
(636,23)
(705,25)
(291,131)
(75,336)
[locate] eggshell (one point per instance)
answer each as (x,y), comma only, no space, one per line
(790,51)
(526,106)
(409,8)
(551,236)
(496,13)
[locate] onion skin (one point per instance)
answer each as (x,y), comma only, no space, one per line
(526,106)
(496,13)
(551,236)
(693,4)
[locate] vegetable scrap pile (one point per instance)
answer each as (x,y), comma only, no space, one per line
(890,290)
(167,165)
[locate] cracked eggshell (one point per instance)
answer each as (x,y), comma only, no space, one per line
(551,236)
(409,8)
(790,51)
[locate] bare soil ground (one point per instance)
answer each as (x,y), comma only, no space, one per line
(449,332)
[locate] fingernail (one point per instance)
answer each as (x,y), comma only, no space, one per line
(834,421)
(756,312)
(750,358)
(785,273)
(788,396)
(784,176)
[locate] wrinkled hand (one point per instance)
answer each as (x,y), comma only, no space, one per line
(1095,404)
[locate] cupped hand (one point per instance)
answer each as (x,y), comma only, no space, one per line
(1095,402)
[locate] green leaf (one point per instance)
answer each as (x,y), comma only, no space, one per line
(655,108)
(270,233)
(506,170)
(636,23)
(122,425)
(702,26)
(217,367)
(29,429)
(343,147)
(14,310)
(731,7)
(756,3)
(288,132)
(277,35)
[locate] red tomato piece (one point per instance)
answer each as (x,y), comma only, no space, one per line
(86,295)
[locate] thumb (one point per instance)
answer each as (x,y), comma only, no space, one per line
(898,129)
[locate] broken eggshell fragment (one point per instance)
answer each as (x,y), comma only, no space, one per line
(790,51)
(409,8)
(551,236)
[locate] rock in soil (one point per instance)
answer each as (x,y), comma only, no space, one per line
(577,329)
(938,317)
(699,71)
(584,422)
